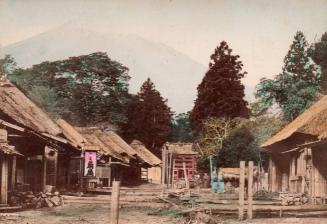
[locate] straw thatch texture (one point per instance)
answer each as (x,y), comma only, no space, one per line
(181,148)
(21,109)
(313,122)
(145,154)
(109,143)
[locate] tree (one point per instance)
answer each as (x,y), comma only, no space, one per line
(295,89)
(86,90)
(181,129)
(7,65)
(221,92)
(239,145)
(149,118)
(318,53)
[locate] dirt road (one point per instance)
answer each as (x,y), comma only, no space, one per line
(99,214)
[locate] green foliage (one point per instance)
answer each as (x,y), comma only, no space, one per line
(149,118)
(86,90)
(234,140)
(7,65)
(239,145)
(319,55)
(294,90)
(181,129)
(221,92)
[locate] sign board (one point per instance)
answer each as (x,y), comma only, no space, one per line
(90,163)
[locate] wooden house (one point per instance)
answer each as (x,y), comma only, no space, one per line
(151,169)
(30,143)
(298,154)
(115,158)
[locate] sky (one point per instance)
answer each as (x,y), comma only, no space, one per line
(259,31)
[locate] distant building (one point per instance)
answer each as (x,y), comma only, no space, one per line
(177,155)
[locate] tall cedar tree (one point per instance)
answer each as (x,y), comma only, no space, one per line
(221,92)
(149,118)
(295,89)
(319,55)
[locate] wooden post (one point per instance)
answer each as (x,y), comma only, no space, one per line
(4,180)
(250,190)
(114,210)
(170,169)
(44,170)
(13,173)
(173,174)
(241,191)
(55,169)
(185,176)
(109,179)
(163,168)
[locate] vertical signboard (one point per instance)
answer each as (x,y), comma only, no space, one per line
(90,160)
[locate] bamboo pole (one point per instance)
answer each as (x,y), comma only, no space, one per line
(241,191)
(250,190)
(114,210)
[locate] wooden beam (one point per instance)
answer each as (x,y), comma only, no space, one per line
(4,180)
(309,144)
(55,138)
(13,126)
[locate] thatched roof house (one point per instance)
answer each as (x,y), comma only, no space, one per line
(109,143)
(147,156)
(298,155)
(16,108)
(310,124)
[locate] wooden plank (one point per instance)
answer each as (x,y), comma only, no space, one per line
(250,190)
(4,180)
(13,172)
(186,177)
(114,210)
(241,191)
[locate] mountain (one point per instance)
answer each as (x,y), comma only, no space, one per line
(175,75)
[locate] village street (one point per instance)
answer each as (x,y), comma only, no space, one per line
(99,214)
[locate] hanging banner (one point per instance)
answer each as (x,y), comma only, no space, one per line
(90,162)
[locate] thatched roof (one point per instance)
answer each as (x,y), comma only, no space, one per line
(22,110)
(181,148)
(108,142)
(145,154)
(312,122)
